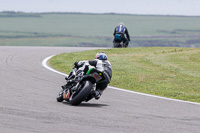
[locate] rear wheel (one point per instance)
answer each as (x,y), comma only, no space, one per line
(85,91)
(116,45)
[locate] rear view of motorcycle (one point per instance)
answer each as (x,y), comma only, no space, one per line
(118,41)
(81,86)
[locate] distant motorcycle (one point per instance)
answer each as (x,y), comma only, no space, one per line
(82,86)
(118,41)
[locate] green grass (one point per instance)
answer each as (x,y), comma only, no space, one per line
(168,72)
(71,29)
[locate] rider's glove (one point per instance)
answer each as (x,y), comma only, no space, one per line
(78,64)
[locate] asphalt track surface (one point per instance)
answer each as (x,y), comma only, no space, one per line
(28,102)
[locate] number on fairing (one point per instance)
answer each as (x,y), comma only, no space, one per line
(96,76)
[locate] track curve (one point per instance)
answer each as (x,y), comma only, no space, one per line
(28,102)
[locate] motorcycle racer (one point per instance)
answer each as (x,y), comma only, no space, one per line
(121,33)
(100,63)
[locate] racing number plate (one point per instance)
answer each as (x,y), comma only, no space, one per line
(96,76)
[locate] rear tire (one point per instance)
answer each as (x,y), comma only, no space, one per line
(116,45)
(76,100)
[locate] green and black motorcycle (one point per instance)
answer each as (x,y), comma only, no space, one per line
(81,85)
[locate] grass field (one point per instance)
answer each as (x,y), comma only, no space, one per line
(169,72)
(76,29)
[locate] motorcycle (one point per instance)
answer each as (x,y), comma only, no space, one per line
(118,41)
(81,86)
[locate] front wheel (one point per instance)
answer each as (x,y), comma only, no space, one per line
(84,92)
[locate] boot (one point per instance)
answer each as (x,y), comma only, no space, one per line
(96,94)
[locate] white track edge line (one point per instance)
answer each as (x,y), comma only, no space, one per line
(44,64)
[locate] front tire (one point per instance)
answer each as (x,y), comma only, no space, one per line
(77,99)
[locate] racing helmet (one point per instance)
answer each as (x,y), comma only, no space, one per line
(121,23)
(101,56)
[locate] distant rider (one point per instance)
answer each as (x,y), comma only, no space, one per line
(123,32)
(100,63)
